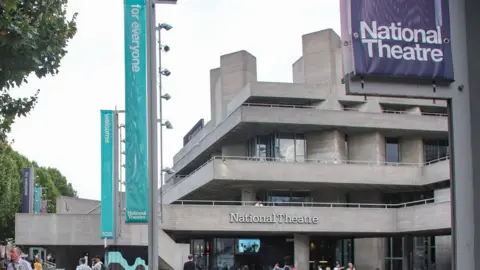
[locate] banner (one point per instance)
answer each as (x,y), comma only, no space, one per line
(401,38)
(37,199)
(107,207)
(27,189)
(136,169)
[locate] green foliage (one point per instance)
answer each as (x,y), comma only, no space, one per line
(11,174)
(33,38)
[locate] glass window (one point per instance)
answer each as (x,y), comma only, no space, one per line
(435,149)
(285,147)
(224,253)
(392,153)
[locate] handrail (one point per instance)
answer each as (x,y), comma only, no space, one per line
(319,161)
(289,106)
(441,199)
(344,109)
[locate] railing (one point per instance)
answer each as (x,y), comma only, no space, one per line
(179,178)
(343,109)
(312,204)
(291,106)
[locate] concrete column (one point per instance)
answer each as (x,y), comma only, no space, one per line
(366,147)
(301,251)
(216,96)
(248,194)
(234,150)
(411,150)
(297,70)
(237,70)
(325,145)
(319,56)
(414,110)
(443,252)
(370,253)
(330,104)
(407,252)
(372,105)
(443,244)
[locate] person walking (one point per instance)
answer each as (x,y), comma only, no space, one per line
(190,264)
(82,265)
(16,262)
(37,264)
(99,264)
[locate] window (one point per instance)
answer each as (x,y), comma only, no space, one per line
(224,253)
(288,196)
(392,152)
(281,146)
(434,150)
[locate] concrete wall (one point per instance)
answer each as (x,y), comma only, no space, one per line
(411,150)
(84,230)
(301,251)
(76,206)
(367,147)
(443,244)
(326,145)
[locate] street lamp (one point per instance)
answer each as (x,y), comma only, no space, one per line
(165,72)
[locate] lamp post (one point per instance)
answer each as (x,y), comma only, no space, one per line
(153,131)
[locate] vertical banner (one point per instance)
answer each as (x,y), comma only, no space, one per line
(136,171)
(107,207)
(400,38)
(27,189)
(37,199)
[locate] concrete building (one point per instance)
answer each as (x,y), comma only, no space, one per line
(295,173)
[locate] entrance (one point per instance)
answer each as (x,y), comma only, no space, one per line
(327,251)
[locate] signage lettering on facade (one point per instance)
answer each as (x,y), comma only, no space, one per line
(272,219)
(400,38)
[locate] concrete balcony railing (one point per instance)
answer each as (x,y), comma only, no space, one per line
(310,115)
(225,216)
(309,171)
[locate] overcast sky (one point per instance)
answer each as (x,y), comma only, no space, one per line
(64,129)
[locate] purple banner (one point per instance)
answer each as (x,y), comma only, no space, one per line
(26,208)
(402,38)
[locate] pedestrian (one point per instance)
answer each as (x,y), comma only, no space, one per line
(99,264)
(190,264)
(16,262)
(82,265)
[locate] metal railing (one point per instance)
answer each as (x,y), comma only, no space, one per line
(441,199)
(343,109)
(179,178)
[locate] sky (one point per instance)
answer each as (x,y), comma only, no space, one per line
(63,131)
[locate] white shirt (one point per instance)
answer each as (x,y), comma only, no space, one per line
(97,266)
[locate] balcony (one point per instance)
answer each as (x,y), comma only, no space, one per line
(427,216)
(249,119)
(225,174)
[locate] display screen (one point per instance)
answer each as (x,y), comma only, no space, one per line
(248,246)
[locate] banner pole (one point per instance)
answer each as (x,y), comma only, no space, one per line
(152,138)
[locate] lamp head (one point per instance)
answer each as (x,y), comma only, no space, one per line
(166,96)
(165,72)
(165,26)
(168,125)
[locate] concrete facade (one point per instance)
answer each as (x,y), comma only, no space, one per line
(345,146)
(340,158)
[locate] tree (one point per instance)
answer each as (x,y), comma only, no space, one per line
(33,38)
(11,175)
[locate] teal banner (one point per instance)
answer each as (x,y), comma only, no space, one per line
(136,163)
(107,208)
(37,199)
